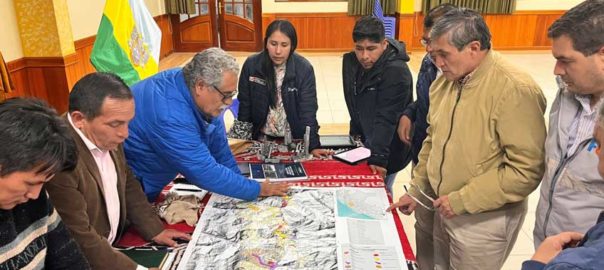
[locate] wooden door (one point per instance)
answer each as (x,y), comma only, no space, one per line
(196,32)
(240,25)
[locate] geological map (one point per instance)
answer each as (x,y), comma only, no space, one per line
(362,203)
(296,231)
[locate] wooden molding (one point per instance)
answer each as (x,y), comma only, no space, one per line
(51,61)
(16,65)
(307,15)
(85,42)
(536,12)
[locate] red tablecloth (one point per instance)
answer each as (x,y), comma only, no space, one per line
(323,173)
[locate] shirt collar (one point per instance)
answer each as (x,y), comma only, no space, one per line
(462,82)
(585,101)
(89,144)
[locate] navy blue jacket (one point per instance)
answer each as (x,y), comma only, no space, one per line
(418,110)
(376,99)
(588,255)
(298,92)
(169,135)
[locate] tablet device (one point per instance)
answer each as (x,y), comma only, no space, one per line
(354,156)
(336,141)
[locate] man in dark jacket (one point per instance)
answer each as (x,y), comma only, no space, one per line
(414,118)
(34,145)
(377,88)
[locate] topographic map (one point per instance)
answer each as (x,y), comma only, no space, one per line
(362,203)
(296,231)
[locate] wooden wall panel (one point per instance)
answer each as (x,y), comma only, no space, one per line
(83,49)
(18,74)
(43,77)
(523,30)
(318,31)
(167,47)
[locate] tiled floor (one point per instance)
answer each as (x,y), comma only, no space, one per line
(333,114)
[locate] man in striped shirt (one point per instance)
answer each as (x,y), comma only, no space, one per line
(34,145)
(572,190)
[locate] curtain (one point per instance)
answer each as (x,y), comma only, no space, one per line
(482,6)
(180,6)
(365,7)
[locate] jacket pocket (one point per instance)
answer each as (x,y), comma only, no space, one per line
(594,187)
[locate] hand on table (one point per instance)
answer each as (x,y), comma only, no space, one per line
(379,170)
(322,153)
(404,129)
(552,245)
(273,189)
(405,204)
(166,237)
(444,207)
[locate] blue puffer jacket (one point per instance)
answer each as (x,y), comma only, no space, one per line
(169,135)
(586,256)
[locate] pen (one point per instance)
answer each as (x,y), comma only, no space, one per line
(188,189)
(411,265)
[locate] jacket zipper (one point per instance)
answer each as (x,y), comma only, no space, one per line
(557,174)
(442,162)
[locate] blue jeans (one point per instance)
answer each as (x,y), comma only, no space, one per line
(389,181)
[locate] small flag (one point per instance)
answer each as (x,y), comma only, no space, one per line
(128,41)
(377,10)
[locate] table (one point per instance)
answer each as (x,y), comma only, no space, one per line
(322,173)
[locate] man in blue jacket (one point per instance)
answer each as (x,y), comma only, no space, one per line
(176,129)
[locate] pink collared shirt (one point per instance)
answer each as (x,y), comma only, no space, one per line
(108,174)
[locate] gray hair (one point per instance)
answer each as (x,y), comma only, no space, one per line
(465,26)
(208,66)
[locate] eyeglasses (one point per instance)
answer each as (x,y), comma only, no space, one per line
(424,41)
(429,208)
(593,144)
(225,96)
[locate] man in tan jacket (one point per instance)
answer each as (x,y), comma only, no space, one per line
(484,151)
(100,197)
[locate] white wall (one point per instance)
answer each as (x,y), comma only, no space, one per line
(10,42)
(546,4)
(86,15)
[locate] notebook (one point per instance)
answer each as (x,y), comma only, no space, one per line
(278,172)
(353,156)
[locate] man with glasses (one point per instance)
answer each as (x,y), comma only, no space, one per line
(483,154)
(572,191)
(414,118)
(176,130)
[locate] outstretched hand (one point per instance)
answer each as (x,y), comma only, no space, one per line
(322,153)
(405,204)
(167,236)
(273,189)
